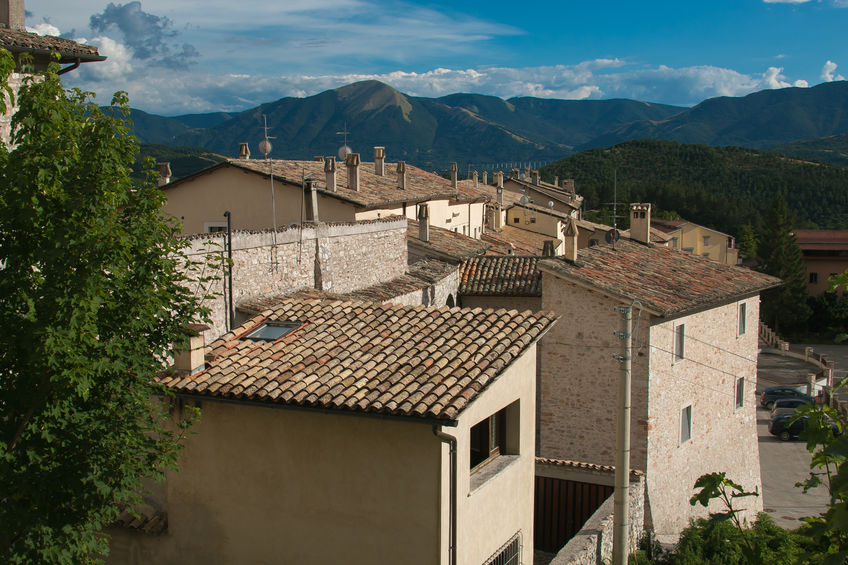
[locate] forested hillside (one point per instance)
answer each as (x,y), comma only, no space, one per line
(723,188)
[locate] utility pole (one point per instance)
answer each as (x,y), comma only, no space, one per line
(621,497)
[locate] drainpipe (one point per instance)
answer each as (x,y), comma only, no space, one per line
(230,312)
(451,441)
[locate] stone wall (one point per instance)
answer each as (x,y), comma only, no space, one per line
(15,81)
(593,543)
(440,293)
(334,258)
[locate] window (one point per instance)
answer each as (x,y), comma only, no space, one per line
(214,227)
(679,342)
(814,278)
(515,220)
(706,240)
(674,242)
(487,439)
(740,392)
(272,331)
(743,318)
(533,220)
(686,424)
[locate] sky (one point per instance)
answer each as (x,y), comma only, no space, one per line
(195,56)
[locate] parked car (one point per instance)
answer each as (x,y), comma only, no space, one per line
(785,428)
(774,393)
(787,405)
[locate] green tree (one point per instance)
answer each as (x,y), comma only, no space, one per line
(747,242)
(93,295)
(785,307)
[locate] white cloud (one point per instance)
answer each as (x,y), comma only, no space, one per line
(786,1)
(44,29)
(116,67)
(828,72)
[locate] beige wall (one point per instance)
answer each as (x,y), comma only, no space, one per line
(260,485)
(489,515)
(724,438)
(715,247)
(578,391)
(537,222)
(247,196)
(538,198)
(824,267)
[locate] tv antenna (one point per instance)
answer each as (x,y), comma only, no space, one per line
(265,148)
(344,150)
(613,234)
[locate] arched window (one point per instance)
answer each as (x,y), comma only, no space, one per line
(450,301)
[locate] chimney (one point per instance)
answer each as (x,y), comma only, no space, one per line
(244,151)
(164,173)
(401,175)
(526,175)
(379,161)
(548,249)
(192,359)
(535,178)
(13,15)
(352,163)
(424,222)
(515,173)
(640,222)
(310,200)
(556,182)
(453,175)
(485,177)
(570,233)
(474,176)
(330,173)
(499,180)
(318,158)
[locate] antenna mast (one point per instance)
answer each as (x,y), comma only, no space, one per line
(265,148)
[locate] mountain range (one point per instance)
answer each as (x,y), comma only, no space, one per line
(479,131)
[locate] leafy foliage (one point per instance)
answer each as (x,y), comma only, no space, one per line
(94,296)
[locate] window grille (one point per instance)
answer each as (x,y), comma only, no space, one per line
(508,554)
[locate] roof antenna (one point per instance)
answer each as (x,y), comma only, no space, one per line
(613,235)
(265,148)
(344,150)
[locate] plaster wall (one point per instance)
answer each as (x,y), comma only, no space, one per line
(537,222)
(204,199)
(489,514)
(262,485)
(824,267)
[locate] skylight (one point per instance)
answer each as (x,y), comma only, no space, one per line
(272,331)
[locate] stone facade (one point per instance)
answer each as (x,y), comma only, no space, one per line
(579,382)
(14,82)
(334,258)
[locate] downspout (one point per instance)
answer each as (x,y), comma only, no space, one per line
(451,441)
(230,311)
(69,68)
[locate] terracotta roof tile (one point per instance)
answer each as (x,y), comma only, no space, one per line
(665,281)
(17,41)
(501,276)
(374,190)
(452,245)
(396,360)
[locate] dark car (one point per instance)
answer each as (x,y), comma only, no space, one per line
(783,427)
(771,394)
(787,405)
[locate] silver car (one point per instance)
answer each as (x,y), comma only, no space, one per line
(787,405)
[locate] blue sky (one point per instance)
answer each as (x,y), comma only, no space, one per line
(191,56)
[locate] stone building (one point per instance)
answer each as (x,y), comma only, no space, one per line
(693,371)
(323,189)
(354,432)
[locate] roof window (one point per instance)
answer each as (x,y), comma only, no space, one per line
(272,331)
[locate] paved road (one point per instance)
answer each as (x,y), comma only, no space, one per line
(782,464)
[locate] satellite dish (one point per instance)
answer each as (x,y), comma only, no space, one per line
(524,199)
(612,236)
(344,151)
(551,204)
(265,147)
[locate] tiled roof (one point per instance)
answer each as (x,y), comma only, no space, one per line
(667,226)
(501,276)
(657,235)
(551,191)
(404,361)
(374,190)
(420,275)
(526,242)
(448,244)
(665,281)
(503,244)
(17,41)
(822,239)
(583,466)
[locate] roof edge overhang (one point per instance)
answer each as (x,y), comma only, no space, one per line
(324,411)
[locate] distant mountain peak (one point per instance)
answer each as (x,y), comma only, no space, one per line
(372,96)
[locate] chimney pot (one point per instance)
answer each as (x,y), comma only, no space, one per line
(499,179)
(475,177)
(244,151)
(570,234)
(164,173)
(311,201)
(330,173)
(548,248)
(485,177)
(401,175)
(454,176)
(318,158)
(352,163)
(535,178)
(424,222)
(380,161)
(192,359)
